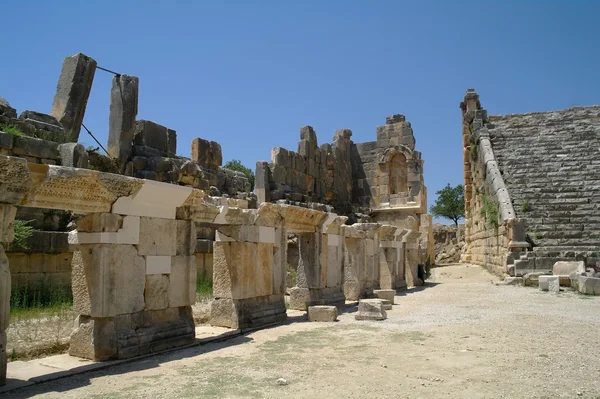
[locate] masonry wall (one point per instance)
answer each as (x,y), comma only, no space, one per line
(312,174)
(494,237)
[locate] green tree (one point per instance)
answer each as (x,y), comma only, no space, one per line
(450,203)
(236,164)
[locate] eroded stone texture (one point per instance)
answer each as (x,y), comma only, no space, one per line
(156,293)
(115,278)
(73,155)
(131,335)
(158,237)
(182,290)
(207,153)
(322,313)
(370,309)
(123,111)
(552,196)
(588,285)
(549,283)
(385,294)
(72,92)
(15,179)
(242,270)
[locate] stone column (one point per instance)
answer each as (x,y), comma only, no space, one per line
(401,256)
(388,257)
(123,111)
(426,228)
(261,182)
(371,242)
(412,258)
(7,218)
(248,272)
(72,92)
(355,274)
(308,277)
(134,282)
(332,260)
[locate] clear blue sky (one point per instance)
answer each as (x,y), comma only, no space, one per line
(249,74)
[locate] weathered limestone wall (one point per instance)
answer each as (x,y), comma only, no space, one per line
(494,237)
(388,172)
(313,174)
(320,262)
(249,268)
(46,260)
(379,181)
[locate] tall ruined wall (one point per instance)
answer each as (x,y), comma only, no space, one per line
(494,237)
(388,172)
(313,174)
(378,181)
(530,185)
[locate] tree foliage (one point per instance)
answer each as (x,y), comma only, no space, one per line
(450,203)
(236,164)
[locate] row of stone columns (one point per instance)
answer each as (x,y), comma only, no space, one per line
(134,271)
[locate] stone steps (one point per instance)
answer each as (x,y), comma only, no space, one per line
(550,163)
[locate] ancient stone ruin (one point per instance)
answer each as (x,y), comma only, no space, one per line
(133,229)
(530,192)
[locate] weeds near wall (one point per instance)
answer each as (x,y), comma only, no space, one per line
(23,232)
(204,289)
(39,297)
(473,148)
(490,212)
(10,129)
(57,137)
(41,320)
(525,207)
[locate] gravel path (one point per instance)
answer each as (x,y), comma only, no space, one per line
(462,336)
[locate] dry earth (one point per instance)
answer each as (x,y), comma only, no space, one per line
(460,337)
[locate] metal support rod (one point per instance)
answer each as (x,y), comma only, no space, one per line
(96,140)
(108,70)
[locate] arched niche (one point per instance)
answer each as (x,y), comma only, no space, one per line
(397,174)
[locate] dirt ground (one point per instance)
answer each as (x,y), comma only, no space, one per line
(461,336)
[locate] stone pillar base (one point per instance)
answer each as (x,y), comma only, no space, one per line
(354,290)
(302,298)
(248,313)
(132,335)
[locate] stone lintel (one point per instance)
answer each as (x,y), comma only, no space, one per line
(153,199)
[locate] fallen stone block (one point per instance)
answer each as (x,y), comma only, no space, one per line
(370,309)
(385,294)
(322,313)
(588,285)
(563,268)
(531,279)
(513,281)
(549,283)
